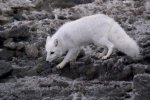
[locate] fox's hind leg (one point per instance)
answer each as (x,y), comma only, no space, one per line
(105,50)
(108,44)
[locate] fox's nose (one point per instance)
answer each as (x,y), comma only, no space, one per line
(47,61)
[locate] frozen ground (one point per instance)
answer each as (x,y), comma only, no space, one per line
(24,74)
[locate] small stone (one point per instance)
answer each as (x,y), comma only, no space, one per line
(10,44)
(31,51)
(20,45)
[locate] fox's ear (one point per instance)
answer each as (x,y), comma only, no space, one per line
(48,38)
(56,42)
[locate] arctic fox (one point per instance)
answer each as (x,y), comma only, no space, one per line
(99,29)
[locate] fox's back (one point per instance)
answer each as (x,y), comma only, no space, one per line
(86,29)
(90,25)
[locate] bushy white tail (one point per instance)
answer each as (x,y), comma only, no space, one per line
(123,42)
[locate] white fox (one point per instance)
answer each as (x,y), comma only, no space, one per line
(99,29)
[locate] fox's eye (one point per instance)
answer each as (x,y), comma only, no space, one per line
(51,52)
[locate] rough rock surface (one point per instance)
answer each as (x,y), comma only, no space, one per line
(54,87)
(142,87)
(6,54)
(24,26)
(5,68)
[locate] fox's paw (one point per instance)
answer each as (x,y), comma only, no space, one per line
(99,55)
(59,66)
(104,57)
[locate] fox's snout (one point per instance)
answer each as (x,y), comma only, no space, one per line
(47,59)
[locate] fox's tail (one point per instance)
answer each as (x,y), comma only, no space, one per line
(123,42)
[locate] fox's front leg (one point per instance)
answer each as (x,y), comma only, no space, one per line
(71,55)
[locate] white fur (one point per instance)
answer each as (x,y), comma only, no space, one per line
(98,29)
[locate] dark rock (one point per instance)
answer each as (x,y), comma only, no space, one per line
(43,68)
(81,54)
(145,43)
(31,51)
(91,72)
(6,54)
(75,64)
(19,4)
(146,58)
(128,27)
(2,28)
(142,87)
(131,20)
(16,32)
(1,42)
(74,17)
(20,45)
(62,17)
(51,31)
(147,16)
(9,43)
(20,54)
(35,15)
(147,69)
(68,3)
(5,69)
(126,73)
(5,9)
(19,17)
(139,11)
(138,69)
(4,20)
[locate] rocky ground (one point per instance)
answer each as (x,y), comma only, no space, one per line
(25,75)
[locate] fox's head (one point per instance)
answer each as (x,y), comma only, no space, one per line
(53,48)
